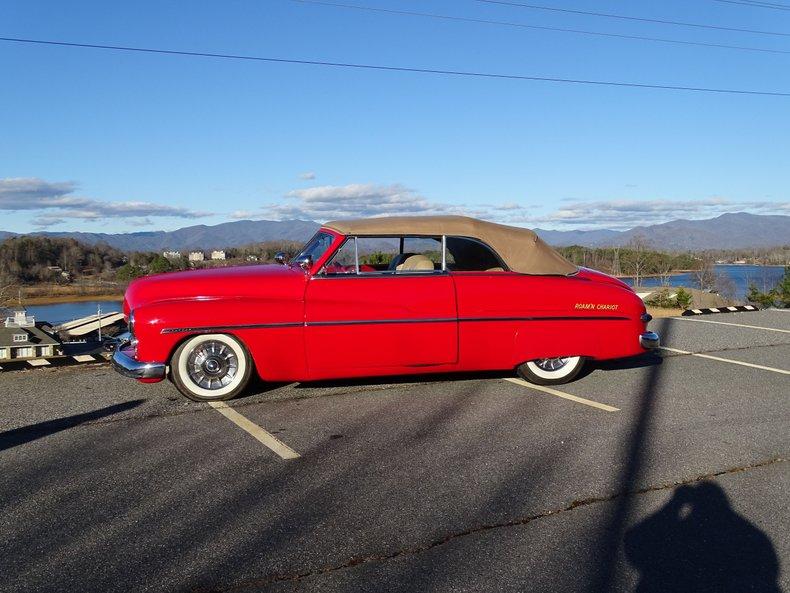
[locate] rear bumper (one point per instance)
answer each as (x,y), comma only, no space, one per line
(649,340)
(123,361)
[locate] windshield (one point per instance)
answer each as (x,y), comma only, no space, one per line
(316,247)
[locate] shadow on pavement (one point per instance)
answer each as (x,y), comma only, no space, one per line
(406,379)
(25,434)
(603,578)
(648,359)
(697,542)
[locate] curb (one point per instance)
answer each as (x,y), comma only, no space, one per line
(60,361)
(719,310)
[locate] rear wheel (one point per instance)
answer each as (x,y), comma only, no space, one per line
(551,371)
(211,367)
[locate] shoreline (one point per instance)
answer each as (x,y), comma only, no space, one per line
(62,298)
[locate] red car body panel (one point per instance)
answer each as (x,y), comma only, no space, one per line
(299,326)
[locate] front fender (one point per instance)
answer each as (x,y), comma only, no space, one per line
(271,330)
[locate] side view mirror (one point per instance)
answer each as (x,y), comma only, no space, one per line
(305,262)
(281,257)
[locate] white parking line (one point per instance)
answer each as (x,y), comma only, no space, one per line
(268,439)
(746,364)
(573,398)
(770,329)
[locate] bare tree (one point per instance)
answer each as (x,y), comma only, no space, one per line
(705,275)
(7,287)
(725,286)
(637,260)
(664,270)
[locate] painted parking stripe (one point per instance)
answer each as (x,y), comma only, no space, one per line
(770,329)
(84,358)
(573,398)
(268,439)
(746,364)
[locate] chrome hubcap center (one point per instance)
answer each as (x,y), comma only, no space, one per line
(551,364)
(212,365)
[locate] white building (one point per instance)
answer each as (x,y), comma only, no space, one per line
(196,256)
(172,254)
(21,338)
(217,255)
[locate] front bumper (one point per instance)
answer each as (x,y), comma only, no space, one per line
(124,362)
(649,340)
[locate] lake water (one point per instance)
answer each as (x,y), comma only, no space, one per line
(62,312)
(765,277)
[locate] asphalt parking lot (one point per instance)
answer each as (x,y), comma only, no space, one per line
(665,473)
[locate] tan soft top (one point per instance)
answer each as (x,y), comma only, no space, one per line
(521,249)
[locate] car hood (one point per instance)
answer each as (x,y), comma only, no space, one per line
(213,283)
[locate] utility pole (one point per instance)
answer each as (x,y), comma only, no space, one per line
(98,317)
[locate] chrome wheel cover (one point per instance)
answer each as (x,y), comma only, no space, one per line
(551,364)
(212,365)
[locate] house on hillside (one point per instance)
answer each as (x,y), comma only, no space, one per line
(217,255)
(172,255)
(196,256)
(22,338)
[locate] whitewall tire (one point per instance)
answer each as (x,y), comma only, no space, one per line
(211,367)
(551,371)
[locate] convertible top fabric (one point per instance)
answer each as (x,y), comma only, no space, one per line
(521,249)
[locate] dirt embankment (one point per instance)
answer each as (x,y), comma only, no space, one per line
(699,300)
(46,294)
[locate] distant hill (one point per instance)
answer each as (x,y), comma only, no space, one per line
(228,234)
(728,231)
(738,230)
(585,238)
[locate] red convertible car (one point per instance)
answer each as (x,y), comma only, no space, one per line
(382,296)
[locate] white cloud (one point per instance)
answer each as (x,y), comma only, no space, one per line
(243,214)
(359,200)
(307,175)
(626,214)
(55,204)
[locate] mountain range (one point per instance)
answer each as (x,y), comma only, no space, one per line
(729,231)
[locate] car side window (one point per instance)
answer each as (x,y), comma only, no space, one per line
(470,255)
(386,256)
(399,255)
(344,261)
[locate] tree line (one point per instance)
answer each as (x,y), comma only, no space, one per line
(42,259)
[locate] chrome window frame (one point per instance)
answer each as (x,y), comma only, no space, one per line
(321,273)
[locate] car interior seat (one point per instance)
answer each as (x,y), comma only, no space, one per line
(415,262)
(398,260)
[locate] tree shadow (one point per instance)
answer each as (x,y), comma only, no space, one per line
(697,542)
(633,454)
(25,434)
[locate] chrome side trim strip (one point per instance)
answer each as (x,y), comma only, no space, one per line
(212,328)
(204,329)
(549,318)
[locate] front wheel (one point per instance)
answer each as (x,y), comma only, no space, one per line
(211,367)
(551,371)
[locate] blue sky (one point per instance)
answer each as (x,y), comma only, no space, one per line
(104,141)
